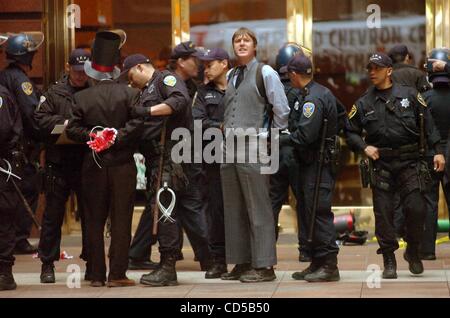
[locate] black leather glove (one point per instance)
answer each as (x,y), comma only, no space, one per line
(141,111)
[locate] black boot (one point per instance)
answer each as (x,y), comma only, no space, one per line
(237,271)
(206,264)
(142,264)
(48,274)
(315,264)
(328,272)
(6,278)
(165,275)
(216,270)
(412,257)
(390,266)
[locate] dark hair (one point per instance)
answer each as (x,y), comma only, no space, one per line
(398,57)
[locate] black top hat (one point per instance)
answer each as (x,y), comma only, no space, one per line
(105,52)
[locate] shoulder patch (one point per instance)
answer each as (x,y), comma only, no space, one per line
(308,109)
(27,88)
(421,100)
(353,112)
(1,102)
(170,80)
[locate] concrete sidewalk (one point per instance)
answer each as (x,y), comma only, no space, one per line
(358,266)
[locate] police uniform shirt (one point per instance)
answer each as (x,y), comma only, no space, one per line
(390,119)
(164,88)
(274,92)
(208,106)
(438,101)
(409,75)
(25,95)
(310,109)
(55,106)
(10,123)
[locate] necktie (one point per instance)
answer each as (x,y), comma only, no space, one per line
(240,76)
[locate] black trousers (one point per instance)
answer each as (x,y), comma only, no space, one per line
(109,191)
(191,210)
(168,235)
(141,245)
(399,217)
(9,203)
(402,179)
(29,188)
(287,175)
(214,215)
(324,238)
(60,181)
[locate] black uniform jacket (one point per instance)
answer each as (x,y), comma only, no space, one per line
(26,96)
(109,105)
(55,107)
(390,123)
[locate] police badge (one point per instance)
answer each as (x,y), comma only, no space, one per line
(405,103)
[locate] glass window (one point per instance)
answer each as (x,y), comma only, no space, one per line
(344,35)
(148,24)
(213,24)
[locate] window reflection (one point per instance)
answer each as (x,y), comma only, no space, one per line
(213,24)
(148,24)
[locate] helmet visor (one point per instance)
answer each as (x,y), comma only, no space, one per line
(33,40)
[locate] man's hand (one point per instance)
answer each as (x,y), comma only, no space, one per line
(438,65)
(372,152)
(439,163)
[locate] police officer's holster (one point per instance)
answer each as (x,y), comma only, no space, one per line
(380,178)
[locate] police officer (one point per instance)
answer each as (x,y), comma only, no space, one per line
(438,101)
(192,208)
(62,162)
(20,50)
(10,134)
(108,172)
(404,72)
(391,115)
(311,109)
(163,97)
(287,174)
(209,109)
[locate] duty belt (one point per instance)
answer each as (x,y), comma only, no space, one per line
(406,152)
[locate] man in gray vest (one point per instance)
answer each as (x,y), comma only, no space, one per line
(249,222)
